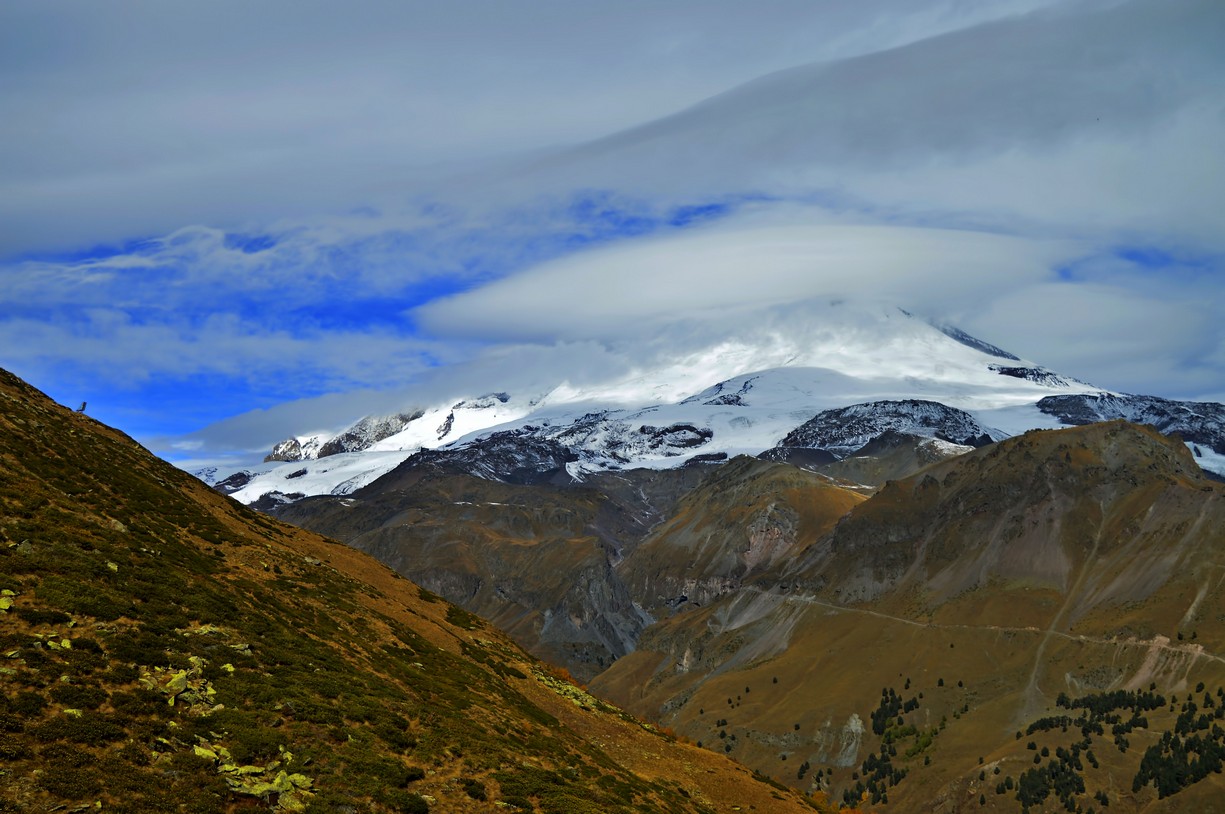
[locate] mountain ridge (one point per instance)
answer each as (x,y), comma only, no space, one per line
(167,649)
(1077,562)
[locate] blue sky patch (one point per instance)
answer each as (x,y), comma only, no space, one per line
(1147,257)
(249,244)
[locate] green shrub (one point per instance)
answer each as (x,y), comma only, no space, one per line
(142,702)
(71,785)
(78,697)
(36,616)
(90,729)
(28,703)
(567,802)
(63,756)
(122,674)
(80,662)
(461,618)
(13,749)
(86,645)
(474,788)
(66,593)
(407,802)
(141,647)
(134,754)
(395,735)
(252,742)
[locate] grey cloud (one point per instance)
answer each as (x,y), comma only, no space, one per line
(136,117)
(1000,120)
(1113,336)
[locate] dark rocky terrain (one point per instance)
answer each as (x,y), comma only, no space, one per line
(1195,421)
(848,429)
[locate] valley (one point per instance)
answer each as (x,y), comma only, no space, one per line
(774,607)
(897,604)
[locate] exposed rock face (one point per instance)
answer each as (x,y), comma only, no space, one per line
(366,433)
(743,518)
(721,394)
(271,500)
(362,435)
(293,449)
(974,342)
(513,456)
(847,429)
(233,483)
(622,438)
(543,454)
(803,457)
(1197,421)
(1038,375)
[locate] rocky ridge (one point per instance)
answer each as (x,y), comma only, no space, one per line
(848,430)
(1197,422)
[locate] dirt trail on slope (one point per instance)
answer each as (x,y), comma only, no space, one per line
(1035,700)
(1160,643)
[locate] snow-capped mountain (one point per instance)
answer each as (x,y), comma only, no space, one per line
(853,373)
(848,429)
(362,435)
(452,422)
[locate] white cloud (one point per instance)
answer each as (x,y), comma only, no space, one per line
(730,271)
(113,347)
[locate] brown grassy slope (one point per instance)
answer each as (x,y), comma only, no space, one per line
(767,513)
(534,560)
(1067,561)
(165,649)
(1104,516)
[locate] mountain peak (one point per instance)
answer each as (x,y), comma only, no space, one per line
(742,395)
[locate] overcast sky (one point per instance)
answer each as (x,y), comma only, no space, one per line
(307,211)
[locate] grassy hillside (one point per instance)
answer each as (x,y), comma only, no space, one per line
(1033,592)
(165,649)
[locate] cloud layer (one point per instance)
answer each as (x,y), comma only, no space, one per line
(730,270)
(344,212)
(138,117)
